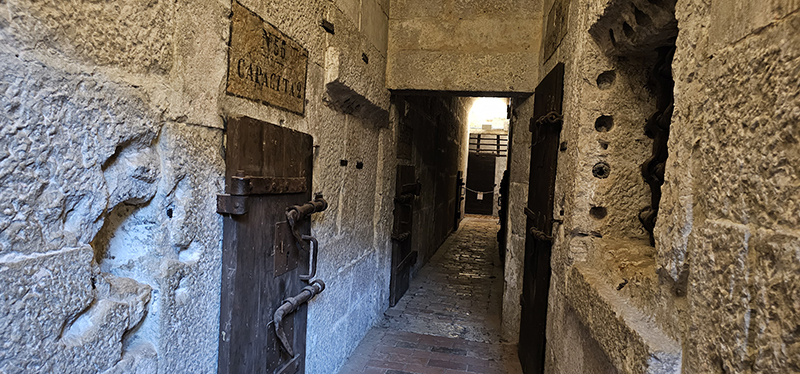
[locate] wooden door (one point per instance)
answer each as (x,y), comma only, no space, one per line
(546,130)
(268,169)
(403,257)
(480,180)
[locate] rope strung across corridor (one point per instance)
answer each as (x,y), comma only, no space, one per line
(479,192)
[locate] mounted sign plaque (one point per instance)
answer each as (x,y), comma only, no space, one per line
(264,64)
(556,27)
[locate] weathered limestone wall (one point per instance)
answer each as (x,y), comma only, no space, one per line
(464,46)
(518,163)
(110,160)
(734,181)
(717,292)
(438,130)
(112,153)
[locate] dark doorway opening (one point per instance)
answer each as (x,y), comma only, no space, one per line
(480,184)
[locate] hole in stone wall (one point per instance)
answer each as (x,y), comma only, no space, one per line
(642,42)
(606,79)
(642,19)
(657,127)
(627,29)
(604,123)
(598,212)
(601,170)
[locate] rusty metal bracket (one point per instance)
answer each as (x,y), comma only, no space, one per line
(297,213)
(252,185)
(540,235)
(552,118)
(401,237)
(289,306)
(291,367)
(407,199)
(411,188)
(235,205)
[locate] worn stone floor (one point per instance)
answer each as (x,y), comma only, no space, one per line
(449,320)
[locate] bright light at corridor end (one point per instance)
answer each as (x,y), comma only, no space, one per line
(489,113)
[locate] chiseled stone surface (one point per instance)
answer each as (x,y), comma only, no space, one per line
(60,130)
(110,228)
(720,282)
(133,34)
(743,255)
(353,85)
(113,153)
(92,163)
(457,45)
(518,163)
(628,337)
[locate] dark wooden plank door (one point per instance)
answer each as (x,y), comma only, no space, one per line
(546,130)
(480,177)
(268,169)
(403,255)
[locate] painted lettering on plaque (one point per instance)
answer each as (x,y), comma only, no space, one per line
(556,27)
(264,64)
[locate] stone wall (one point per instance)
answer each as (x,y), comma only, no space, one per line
(464,46)
(112,154)
(735,183)
(111,159)
(518,164)
(715,294)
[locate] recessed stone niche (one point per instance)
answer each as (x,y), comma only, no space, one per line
(635,27)
(614,287)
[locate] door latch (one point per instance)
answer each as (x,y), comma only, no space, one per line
(289,306)
(297,213)
(312,257)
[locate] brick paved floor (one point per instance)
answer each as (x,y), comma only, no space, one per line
(449,320)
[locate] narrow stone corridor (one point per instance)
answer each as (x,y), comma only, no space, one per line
(449,320)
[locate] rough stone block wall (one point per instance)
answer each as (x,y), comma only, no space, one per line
(466,46)
(716,293)
(112,153)
(108,232)
(740,141)
(519,165)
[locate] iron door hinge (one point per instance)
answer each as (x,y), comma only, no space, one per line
(231,204)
